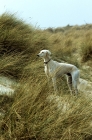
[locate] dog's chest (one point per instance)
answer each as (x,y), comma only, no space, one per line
(48,70)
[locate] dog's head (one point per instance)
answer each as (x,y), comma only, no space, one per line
(44,53)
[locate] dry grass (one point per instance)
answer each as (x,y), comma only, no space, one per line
(32,116)
(86,50)
(34,112)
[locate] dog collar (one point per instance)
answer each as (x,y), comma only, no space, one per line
(47,62)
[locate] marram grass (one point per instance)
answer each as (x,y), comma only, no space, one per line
(32,115)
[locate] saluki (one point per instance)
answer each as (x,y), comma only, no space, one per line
(54,69)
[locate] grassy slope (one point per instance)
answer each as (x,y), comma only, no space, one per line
(29,113)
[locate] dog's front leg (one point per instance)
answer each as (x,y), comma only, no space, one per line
(54,84)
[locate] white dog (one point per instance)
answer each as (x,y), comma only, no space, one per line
(54,69)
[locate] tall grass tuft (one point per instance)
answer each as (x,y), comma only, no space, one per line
(19,42)
(86,50)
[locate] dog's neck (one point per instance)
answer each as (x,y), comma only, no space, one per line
(47,60)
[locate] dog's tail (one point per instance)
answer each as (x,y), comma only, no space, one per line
(78,80)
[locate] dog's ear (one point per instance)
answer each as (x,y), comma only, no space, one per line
(48,53)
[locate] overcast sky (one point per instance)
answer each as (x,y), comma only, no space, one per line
(50,13)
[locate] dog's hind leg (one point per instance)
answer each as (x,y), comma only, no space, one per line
(75,87)
(75,80)
(69,82)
